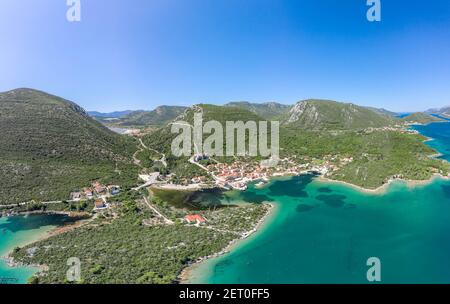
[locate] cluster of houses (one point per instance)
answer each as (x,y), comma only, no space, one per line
(97,191)
(397,128)
(236,175)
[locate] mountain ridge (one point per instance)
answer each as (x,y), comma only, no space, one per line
(267,110)
(444,111)
(160,116)
(329,114)
(50,146)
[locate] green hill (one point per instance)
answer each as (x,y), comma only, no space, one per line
(268,110)
(326,114)
(50,146)
(158,117)
(162,138)
(421,118)
(228,113)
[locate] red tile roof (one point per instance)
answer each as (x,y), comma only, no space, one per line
(195,218)
(99,203)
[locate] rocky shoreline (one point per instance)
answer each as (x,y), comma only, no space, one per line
(184,275)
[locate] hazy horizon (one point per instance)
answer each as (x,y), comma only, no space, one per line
(227,102)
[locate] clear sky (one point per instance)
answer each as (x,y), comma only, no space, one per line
(139,54)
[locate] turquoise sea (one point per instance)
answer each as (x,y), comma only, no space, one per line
(440,133)
(325,232)
(18,231)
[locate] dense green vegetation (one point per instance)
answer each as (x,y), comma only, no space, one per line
(378,155)
(331,115)
(391,154)
(268,110)
(64,207)
(50,147)
(147,158)
(123,250)
(231,217)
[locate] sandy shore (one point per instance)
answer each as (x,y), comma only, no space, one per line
(185,274)
(382,189)
(66,228)
(53,232)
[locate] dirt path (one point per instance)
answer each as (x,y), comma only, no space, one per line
(163,158)
(169,222)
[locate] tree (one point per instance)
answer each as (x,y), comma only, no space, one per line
(33,280)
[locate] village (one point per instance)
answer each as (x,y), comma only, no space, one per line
(101,195)
(237,175)
(97,192)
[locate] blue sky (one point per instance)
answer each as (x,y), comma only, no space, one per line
(143,53)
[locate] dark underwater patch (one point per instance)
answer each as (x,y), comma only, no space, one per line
(294,187)
(446,190)
(333,200)
(252,197)
(304,208)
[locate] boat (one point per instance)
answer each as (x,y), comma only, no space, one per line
(260,184)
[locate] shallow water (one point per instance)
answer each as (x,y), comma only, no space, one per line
(18,231)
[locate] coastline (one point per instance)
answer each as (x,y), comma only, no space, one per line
(382,189)
(186,272)
(56,230)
